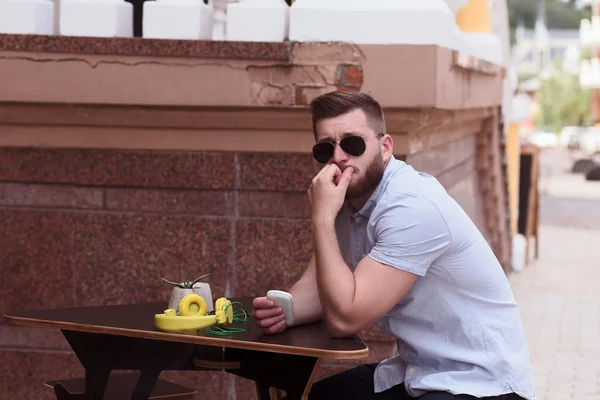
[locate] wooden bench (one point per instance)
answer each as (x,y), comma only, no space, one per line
(120,387)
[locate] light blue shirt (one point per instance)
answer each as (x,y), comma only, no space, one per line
(458,329)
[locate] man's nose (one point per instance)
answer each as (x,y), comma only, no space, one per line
(339,156)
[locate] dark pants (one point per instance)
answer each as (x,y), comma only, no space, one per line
(357,383)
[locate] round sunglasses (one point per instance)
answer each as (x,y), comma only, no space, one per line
(352,145)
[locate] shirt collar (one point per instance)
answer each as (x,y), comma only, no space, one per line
(392,166)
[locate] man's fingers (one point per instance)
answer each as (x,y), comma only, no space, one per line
(274,329)
(331,172)
(262,302)
(262,313)
(327,174)
(325,168)
(346,177)
(268,316)
(337,177)
(269,322)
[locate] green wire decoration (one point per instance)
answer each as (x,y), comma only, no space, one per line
(239,315)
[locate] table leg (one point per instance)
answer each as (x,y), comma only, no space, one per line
(301,388)
(263,391)
(291,373)
(143,389)
(96,380)
(100,354)
(267,392)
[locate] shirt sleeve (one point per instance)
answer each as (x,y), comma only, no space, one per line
(410,233)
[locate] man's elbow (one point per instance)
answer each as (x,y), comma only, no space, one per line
(342,328)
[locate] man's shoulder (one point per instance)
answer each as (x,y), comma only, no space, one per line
(414,190)
(398,199)
(409,211)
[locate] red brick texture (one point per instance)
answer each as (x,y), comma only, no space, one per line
(91,227)
(87,227)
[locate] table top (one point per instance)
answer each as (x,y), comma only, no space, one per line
(137,320)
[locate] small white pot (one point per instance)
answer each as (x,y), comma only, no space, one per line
(201,289)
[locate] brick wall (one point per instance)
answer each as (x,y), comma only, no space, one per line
(90,227)
(83,227)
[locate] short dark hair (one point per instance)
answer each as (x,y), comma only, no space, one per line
(339,102)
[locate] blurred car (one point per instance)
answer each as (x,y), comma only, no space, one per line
(543,139)
(575,140)
(589,141)
(566,135)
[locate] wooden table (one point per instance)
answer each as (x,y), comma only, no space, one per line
(123,337)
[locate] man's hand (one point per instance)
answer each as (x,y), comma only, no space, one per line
(328,191)
(269,318)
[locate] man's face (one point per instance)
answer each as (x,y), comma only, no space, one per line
(369,167)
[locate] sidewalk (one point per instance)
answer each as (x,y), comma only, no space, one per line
(559,294)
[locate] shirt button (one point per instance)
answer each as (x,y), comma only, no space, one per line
(412,370)
(380,323)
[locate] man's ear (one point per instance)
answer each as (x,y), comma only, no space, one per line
(387,146)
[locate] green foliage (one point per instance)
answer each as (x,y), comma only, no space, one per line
(562,101)
(559,15)
(586,54)
(522,77)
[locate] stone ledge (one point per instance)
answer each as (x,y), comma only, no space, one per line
(469,62)
(146,47)
(235,74)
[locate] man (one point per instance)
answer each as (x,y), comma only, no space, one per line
(392,247)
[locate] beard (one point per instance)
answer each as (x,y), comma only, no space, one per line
(368,182)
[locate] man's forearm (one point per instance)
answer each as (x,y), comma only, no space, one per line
(307,305)
(335,280)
